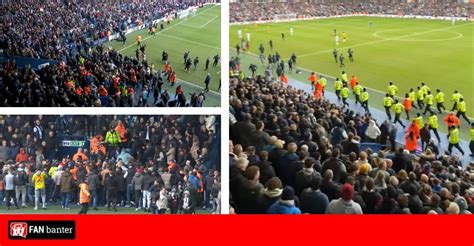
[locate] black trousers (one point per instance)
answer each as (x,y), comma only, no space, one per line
(456,145)
(427,109)
(9,194)
(435,130)
(84,208)
(387,111)
(344,101)
(397,119)
(365,105)
(463,114)
(440,106)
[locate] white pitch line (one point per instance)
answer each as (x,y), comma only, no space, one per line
(167,29)
(198,86)
(190,41)
(383,40)
(205,24)
(161,33)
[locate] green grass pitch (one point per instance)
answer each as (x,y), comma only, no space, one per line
(405,51)
(200,34)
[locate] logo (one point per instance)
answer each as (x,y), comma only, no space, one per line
(18,229)
(42,229)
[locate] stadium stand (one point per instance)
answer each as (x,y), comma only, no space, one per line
(291,153)
(243,11)
(145,162)
(66,34)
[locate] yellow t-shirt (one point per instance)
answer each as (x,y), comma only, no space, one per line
(39,180)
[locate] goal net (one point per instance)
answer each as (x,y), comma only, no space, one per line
(284,17)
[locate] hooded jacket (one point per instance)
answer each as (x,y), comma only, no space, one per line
(373,131)
(81,154)
(283,207)
(22,156)
(65,182)
(137,181)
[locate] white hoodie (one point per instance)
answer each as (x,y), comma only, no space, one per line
(373,130)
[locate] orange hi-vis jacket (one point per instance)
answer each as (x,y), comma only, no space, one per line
(167,68)
(353,82)
(313,78)
(318,93)
(284,79)
(410,143)
(452,120)
(84,195)
(415,129)
(80,154)
(120,128)
(407,103)
(96,145)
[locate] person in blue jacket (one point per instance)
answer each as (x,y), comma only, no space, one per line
(286,204)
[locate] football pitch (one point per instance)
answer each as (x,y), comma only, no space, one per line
(200,34)
(405,51)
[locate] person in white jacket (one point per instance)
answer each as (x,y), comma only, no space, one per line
(372,132)
(162,203)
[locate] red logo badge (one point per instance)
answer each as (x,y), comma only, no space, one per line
(18,229)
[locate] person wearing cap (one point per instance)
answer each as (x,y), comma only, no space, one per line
(286,204)
(345,204)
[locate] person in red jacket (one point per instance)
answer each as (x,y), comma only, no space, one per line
(21,156)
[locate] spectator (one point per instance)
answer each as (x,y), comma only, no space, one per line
(345,204)
(286,203)
(312,200)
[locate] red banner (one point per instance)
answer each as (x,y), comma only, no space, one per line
(254,230)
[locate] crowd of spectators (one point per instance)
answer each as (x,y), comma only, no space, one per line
(243,10)
(291,154)
(61,29)
(87,75)
(103,78)
(159,164)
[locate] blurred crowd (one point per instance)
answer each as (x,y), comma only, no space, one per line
(292,154)
(242,10)
(159,164)
(58,31)
(85,76)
